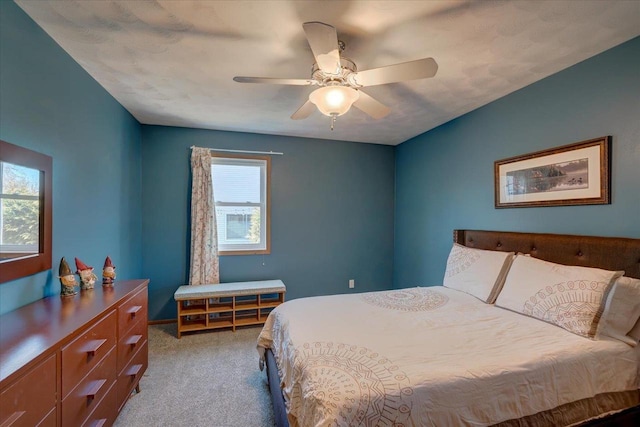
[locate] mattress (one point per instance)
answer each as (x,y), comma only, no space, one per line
(436,356)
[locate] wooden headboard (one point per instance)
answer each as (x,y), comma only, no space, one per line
(609,253)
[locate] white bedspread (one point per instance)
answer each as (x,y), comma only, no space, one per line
(431,357)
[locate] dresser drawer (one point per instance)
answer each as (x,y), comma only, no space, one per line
(131,374)
(82,400)
(31,398)
(105,413)
(51,420)
(86,351)
(132,310)
(131,342)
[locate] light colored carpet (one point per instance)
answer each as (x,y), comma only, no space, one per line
(203,379)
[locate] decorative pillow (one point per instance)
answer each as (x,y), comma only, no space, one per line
(477,272)
(571,297)
(621,311)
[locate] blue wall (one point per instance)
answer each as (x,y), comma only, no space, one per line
(444,178)
(122,189)
(49,104)
(331,214)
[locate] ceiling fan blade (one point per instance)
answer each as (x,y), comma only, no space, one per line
(275,81)
(372,107)
(419,69)
(304,111)
(323,40)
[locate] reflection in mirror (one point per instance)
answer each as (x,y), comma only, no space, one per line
(19,211)
(25,212)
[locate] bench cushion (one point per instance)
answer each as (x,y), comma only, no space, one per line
(229,289)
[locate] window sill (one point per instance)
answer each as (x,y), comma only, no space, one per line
(249,252)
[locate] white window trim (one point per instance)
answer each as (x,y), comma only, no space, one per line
(245,249)
(6,248)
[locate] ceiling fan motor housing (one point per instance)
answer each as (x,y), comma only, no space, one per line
(347,67)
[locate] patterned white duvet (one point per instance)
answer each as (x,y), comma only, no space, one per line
(431,357)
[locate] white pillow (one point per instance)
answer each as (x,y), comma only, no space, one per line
(571,297)
(477,272)
(621,311)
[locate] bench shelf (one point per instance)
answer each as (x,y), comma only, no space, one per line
(227,305)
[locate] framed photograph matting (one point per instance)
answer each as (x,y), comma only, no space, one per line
(574,174)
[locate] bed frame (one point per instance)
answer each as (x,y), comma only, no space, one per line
(609,253)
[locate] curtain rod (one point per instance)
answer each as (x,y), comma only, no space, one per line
(275,153)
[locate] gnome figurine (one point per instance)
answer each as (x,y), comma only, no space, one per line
(67,280)
(108,273)
(87,278)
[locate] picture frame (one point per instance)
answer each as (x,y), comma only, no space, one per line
(574,174)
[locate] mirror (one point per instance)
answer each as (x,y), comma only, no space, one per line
(25,212)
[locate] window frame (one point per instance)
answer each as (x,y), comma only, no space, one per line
(15,268)
(267,208)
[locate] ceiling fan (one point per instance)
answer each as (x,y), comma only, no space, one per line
(340,83)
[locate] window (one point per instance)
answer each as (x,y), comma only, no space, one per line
(19,210)
(25,212)
(241,195)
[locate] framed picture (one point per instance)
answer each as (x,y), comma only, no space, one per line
(575,174)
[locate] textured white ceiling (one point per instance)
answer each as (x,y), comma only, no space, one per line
(172,62)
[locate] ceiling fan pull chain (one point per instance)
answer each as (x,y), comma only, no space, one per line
(333,121)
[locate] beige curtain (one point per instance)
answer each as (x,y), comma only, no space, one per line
(204,268)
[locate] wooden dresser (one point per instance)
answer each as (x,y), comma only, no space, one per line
(73,361)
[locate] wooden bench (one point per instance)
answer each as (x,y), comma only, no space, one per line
(226,305)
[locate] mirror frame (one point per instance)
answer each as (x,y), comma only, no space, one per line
(15,268)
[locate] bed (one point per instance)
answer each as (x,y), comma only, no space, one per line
(442,356)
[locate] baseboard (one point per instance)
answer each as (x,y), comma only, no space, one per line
(161,322)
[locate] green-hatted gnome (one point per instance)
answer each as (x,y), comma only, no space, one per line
(67,280)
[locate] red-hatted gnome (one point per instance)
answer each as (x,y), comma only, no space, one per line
(108,273)
(87,278)
(67,280)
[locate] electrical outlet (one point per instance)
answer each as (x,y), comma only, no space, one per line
(352,283)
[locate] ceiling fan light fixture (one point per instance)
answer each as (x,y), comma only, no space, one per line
(334,100)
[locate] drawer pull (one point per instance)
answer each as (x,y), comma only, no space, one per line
(95,388)
(13,418)
(93,346)
(133,370)
(133,340)
(99,423)
(133,310)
